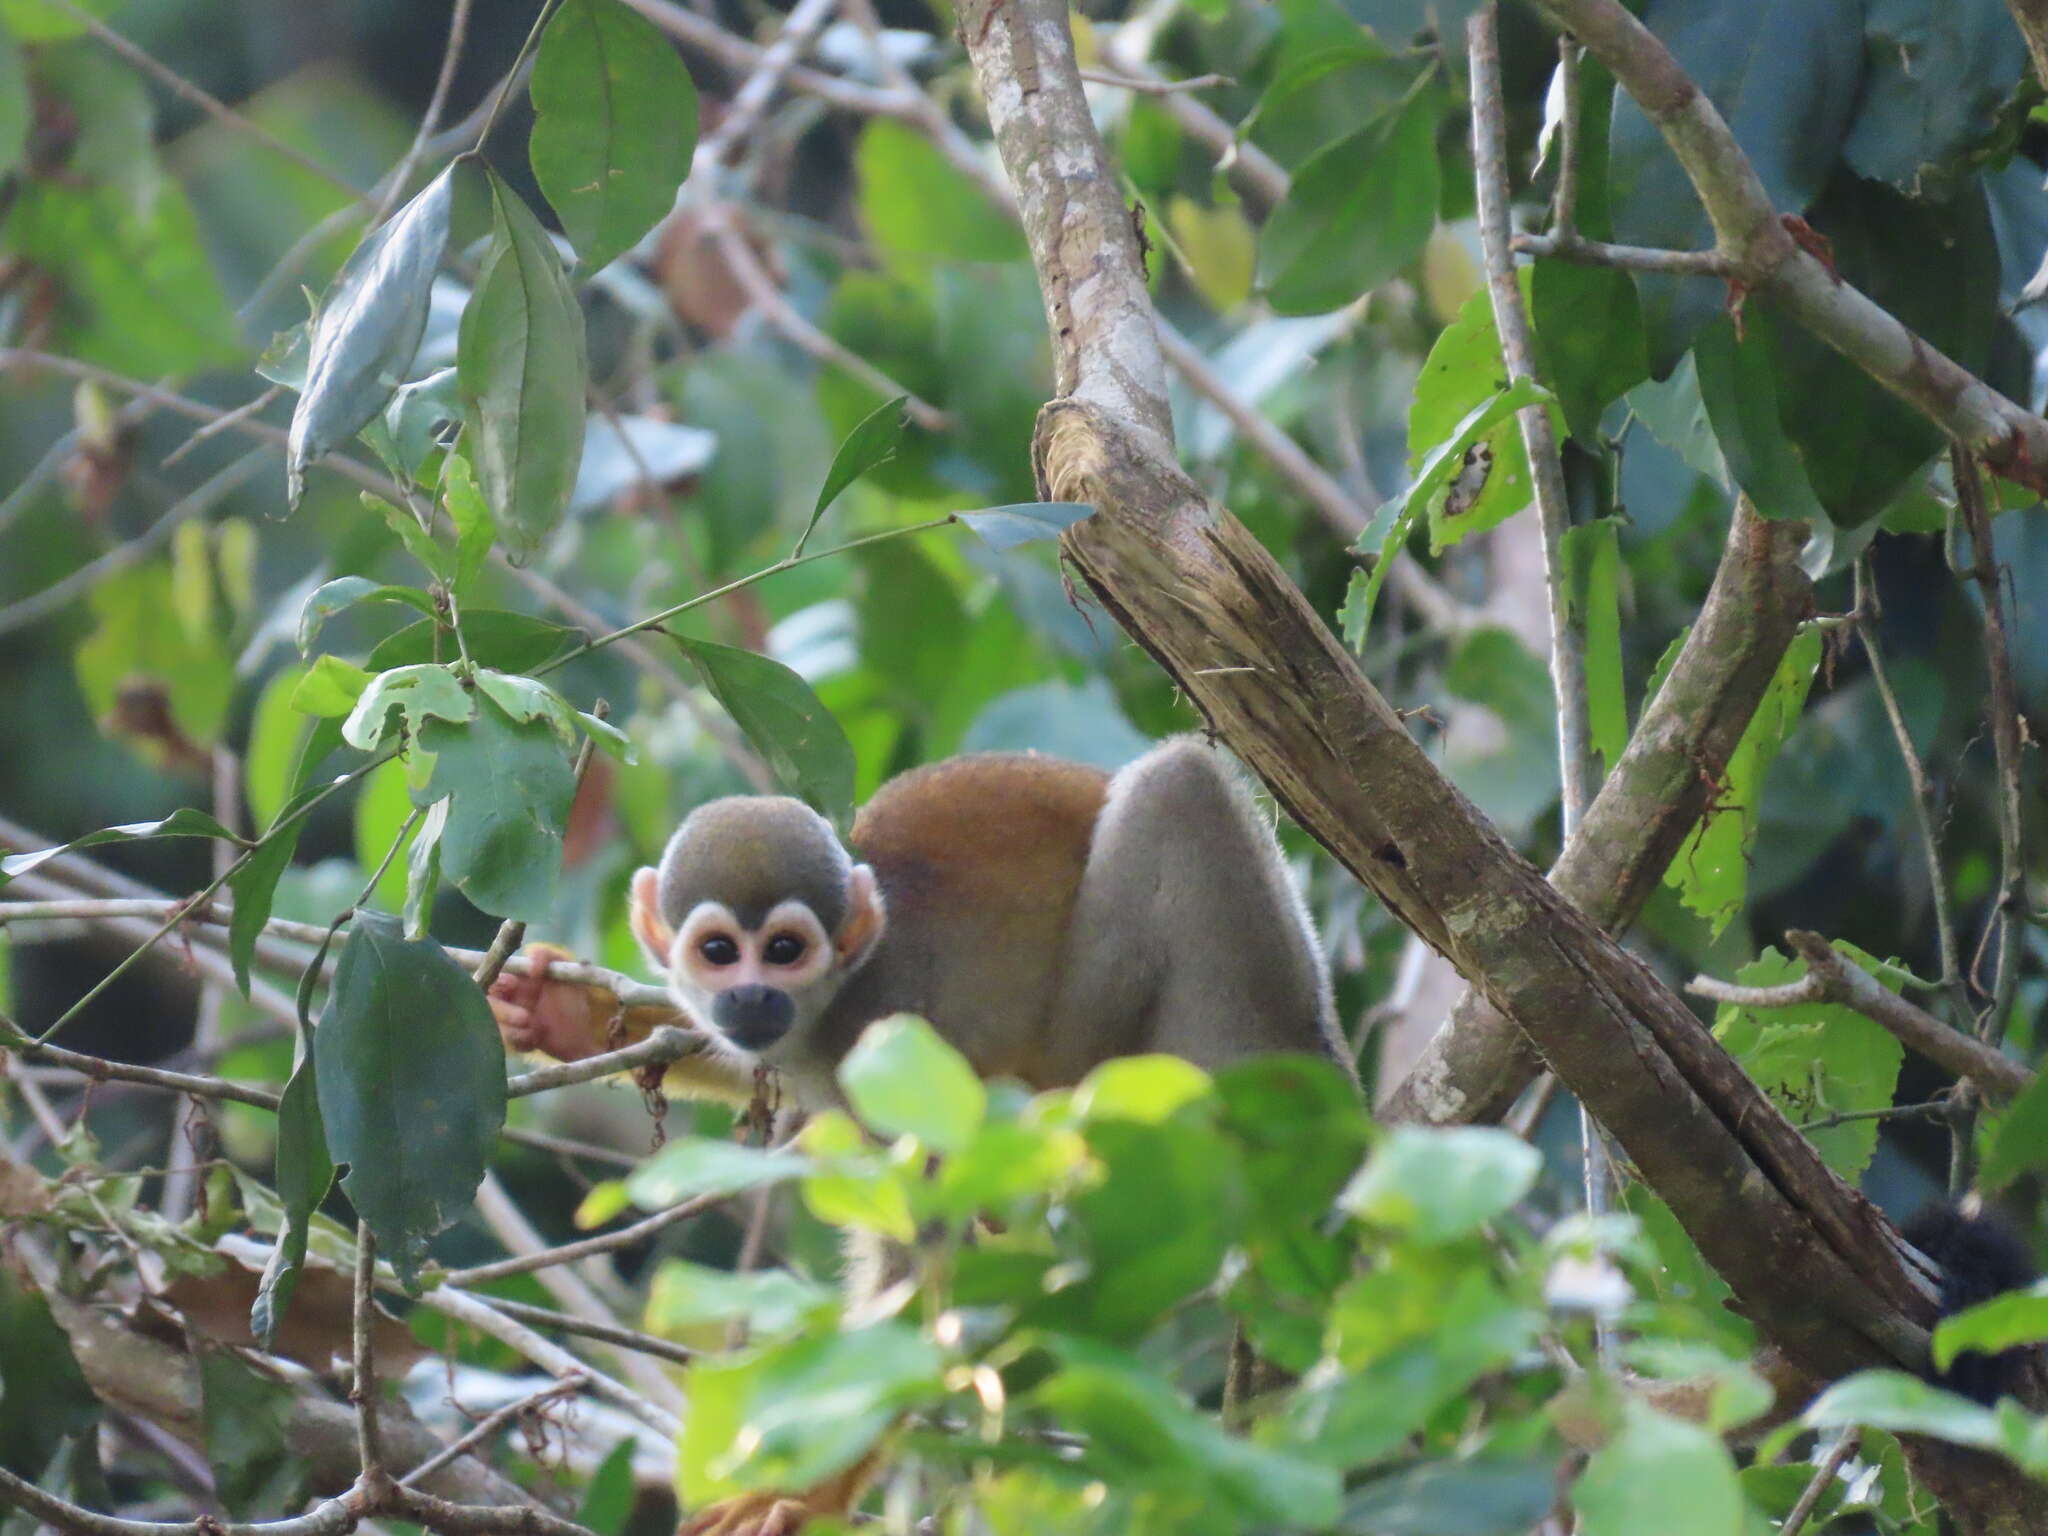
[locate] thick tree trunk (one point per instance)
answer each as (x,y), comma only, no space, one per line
(1813,1263)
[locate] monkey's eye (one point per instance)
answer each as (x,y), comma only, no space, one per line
(783,949)
(719,950)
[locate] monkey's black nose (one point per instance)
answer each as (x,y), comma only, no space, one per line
(753,1017)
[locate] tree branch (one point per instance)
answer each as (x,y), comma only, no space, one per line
(1808,1258)
(1480,1062)
(1764,257)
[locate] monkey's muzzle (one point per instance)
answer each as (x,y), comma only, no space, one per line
(753,1017)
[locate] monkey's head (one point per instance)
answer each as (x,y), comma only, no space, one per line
(756,916)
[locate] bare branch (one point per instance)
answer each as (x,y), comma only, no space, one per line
(1832,977)
(1153,85)
(330,1517)
(583,1248)
(1635,258)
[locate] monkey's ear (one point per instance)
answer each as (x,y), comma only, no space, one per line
(866,917)
(655,936)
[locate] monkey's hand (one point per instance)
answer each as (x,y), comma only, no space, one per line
(555,1018)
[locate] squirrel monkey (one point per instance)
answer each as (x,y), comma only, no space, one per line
(1045,916)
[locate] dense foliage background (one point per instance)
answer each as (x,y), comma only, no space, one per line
(161,647)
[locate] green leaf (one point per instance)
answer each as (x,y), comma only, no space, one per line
(609,1496)
(474,528)
(304,1174)
(1817,1059)
(418,542)
(183,822)
(1659,1474)
(903,1080)
(1589,329)
(423,871)
(414,424)
(44,1397)
(329,689)
(2018,1138)
(1592,561)
(346,592)
(511,783)
(367,329)
(1905,1405)
(276,732)
(614,122)
(872,442)
(697,1166)
(525,699)
(254,886)
(1147,1089)
(14,102)
(139,635)
(256,1473)
(793,1413)
(1155,1229)
(1024,522)
(1711,870)
(1440,1184)
(138,294)
(1738,383)
(1139,1434)
(420,693)
(1786,75)
(1356,213)
(411,1086)
(918,206)
(1398,512)
(784,720)
(1935,77)
(511,642)
(523,375)
(1303,1130)
(1476,1497)
(771,1302)
(1491,481)
(2004,1322)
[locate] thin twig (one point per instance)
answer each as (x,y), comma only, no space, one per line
(762,291)
(54,598)
(666,1045)
(1564,202)
(393,185)
(1631,258)
(1933,1108)
(2010,906)
(1823,1474)
(583,1248)
(1864,616)
(1152,85)
(1578,773)
(720,146)
(205,100)
(330,1517)
(604,1333)
(1832,977)
(490,1424)
(363,1392)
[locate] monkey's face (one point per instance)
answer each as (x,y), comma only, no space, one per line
(755,986)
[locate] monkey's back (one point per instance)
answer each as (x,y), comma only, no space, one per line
(960,883)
